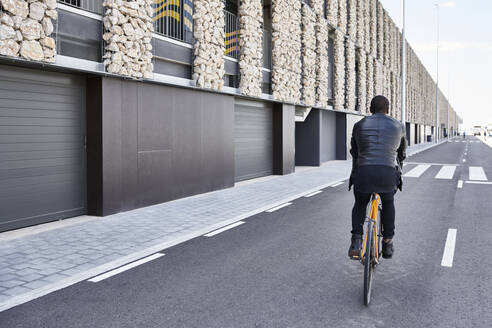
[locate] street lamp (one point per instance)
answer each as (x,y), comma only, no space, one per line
(437,77)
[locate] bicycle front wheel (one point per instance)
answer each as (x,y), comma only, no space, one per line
(368,268)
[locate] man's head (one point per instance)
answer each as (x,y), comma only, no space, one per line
(379,104)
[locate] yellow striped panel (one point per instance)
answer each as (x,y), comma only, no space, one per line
(170,13)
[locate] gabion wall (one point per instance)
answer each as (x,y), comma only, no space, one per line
(251,46)
(365,37)
(128,34)
(286,50)
(208,65)
(26,28)
(309,56)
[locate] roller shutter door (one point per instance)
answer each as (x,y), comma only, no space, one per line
(253,139)
(42,153)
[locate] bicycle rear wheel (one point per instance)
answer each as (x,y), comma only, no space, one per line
(368,267)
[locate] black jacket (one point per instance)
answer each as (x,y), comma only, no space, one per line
(378,140)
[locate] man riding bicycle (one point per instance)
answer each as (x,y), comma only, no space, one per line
(378,150)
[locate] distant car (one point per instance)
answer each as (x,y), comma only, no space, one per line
(477,130)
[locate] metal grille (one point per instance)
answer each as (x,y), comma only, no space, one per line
(231,34)
(174,19)
(94,6)
(267,49)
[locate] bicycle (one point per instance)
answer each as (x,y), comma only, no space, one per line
(372,246)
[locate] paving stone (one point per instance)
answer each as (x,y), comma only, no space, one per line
(35,284)
(30,277)
(11,283)
(16,291)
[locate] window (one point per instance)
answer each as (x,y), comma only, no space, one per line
(94,6)
(174,18)
(331,67)
(231,29)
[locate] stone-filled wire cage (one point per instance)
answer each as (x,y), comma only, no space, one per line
(28,29)
(174,19)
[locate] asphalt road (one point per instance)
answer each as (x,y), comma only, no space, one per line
(289,268)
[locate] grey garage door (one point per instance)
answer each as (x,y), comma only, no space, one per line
(42,155)
(253,139)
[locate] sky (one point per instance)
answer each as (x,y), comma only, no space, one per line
(465,53)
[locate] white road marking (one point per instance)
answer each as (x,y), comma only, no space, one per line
(125,267)
(278,207)
(230,226)
(417,171)
(479,182)
(313,193)
(337,184)
(446,172)
(460,184)
(464,160)
(448,255)
(449,164)
(477,173)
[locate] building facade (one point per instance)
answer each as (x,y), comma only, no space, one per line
(108,106)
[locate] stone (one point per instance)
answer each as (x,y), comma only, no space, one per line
(16,7)
(18,36)
(9,48)
(36,10)
(49,52)
(47,26)
(48,42)
(31,29)
(128,29)
(50,4)
(52,14)
(17,20)
(6,19)
(31,50)
(6,32)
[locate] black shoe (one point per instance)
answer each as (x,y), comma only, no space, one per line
(355,246)
(387,248)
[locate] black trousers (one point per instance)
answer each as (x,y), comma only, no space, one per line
(387,215)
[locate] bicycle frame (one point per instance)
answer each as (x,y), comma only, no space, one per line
(373,211)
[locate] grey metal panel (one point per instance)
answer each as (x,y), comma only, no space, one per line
(172,51)
(161,143)
(42,155)
(79,36)
(171,68)
(284,138)
(328,136)
(231,67)
(253,139)
(308,135)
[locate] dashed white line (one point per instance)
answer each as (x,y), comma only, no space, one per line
(480,182)
(337,184)
(460,184)
(313,193)
(448,254)
(464,160)
(446,172)
(125,267)
(417,171)
(278,207)
(230,226)
(477,173)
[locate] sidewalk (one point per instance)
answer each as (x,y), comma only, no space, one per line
(35,265)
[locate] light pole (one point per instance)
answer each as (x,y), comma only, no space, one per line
(437,78)
(403,70)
